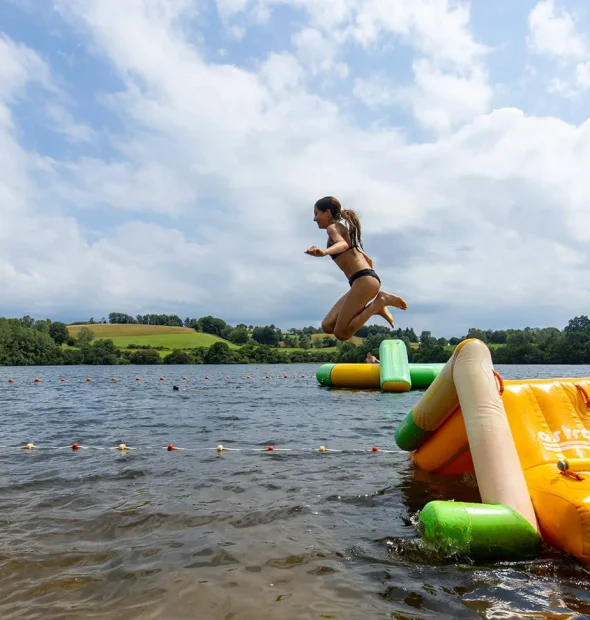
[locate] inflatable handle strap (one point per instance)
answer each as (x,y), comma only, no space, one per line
(584,394)
(501,383)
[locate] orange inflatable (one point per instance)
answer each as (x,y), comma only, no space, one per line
(548,425)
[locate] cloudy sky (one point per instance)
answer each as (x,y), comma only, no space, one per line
(165,155)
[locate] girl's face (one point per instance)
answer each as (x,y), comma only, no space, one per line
(322,218)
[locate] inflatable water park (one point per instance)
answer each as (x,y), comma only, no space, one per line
(526,441)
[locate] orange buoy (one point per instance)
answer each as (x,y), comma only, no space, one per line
(161,378)
(88,379)
(37,380)
(138,378)
(184,379)
(63,379)
(10,380)
(267,377)
(285,376)
(113,379)
(227,377)
(247,376)
(206,378)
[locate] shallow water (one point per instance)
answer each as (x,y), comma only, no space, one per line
(148,533)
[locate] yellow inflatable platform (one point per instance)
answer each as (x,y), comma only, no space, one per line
(528,443)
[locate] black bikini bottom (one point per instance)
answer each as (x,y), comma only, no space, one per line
(362,273)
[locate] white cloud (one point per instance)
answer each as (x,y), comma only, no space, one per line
(63,121)
(583,75)
(554,32)
(317,52)
(235,158)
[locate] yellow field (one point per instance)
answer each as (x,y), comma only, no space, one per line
(154,335)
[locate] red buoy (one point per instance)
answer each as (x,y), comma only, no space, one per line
(75,446)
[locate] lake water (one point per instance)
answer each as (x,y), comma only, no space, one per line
(249,534)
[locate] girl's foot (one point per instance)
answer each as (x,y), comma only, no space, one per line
(384,312)
(388,299)
(385,299)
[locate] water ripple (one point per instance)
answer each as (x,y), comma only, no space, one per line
(298,534)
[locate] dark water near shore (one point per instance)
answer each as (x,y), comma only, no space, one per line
(147,533)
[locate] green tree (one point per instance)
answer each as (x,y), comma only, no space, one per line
(145,356)
(474,332)
(218,353)
(25,346)
(305,342)
(102,352)
(178,357)
(427,339)
(211,325)
(239,336)
(85,336)
(59,332)
(268,335)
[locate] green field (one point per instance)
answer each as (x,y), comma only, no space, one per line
(171,341)
(105,330)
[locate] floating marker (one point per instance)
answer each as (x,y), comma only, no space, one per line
(29,446)
(63,379)
(113,379)
(184,379)
(88,379)
(75,446)
(37,380)
(138,378)
(206,378)
(10,380)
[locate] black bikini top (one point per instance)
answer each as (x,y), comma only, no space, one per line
(333,256)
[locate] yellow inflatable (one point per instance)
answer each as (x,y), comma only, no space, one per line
(528,443)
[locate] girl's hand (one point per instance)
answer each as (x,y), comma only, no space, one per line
(315,251)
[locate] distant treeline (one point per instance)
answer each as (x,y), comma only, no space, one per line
(28,341)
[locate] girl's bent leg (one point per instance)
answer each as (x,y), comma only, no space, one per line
(355,312)
(329,323)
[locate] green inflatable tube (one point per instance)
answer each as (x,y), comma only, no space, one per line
(395,370)
(324,374)
(479,531)
(422,375)
(408,435)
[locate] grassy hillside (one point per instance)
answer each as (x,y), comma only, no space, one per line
(154,335)
(169,337)
(354,339)
(102,330)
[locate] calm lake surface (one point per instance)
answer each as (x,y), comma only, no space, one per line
(249,534)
